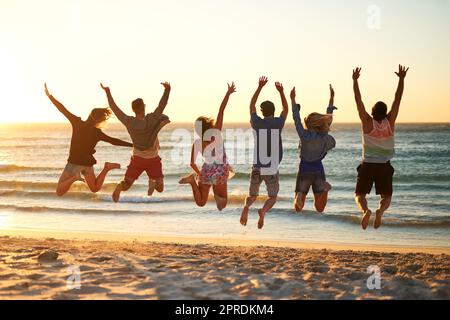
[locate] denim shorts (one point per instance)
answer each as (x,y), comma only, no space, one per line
(315,179)
(75,169)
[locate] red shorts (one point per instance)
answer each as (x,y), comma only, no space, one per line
(152,167)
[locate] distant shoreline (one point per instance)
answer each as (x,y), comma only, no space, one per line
(12,124)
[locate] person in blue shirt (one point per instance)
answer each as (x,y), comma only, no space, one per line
(268,151)
(315,142)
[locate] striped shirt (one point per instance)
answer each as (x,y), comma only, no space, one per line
(378,145)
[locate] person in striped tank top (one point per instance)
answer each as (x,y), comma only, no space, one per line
(378,133)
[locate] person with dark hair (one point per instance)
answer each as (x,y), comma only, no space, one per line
(85,136)
(268,153)
(215,170)
(143,129)
(315,142)
(378,149)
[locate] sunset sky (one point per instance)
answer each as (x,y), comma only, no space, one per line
(200,45)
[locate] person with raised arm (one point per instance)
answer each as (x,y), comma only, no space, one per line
(143,129)
(315,142)
(215,170)
(85,136)
(268,151)
(378,131)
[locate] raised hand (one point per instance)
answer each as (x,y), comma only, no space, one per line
(356,73)
(279,87)
(166,85)
(331,106)
(293,94)
(104,88)
(401,71)
(263,81)
(46,90)
(231,88)
(330,109)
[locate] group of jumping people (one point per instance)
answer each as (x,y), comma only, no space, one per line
(378,131)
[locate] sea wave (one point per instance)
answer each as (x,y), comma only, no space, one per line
(44,209)
(417,178)
(104,197)
(400,221)
(31,185)
(442,222)
(16,168)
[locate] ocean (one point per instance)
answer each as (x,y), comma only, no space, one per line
(33,156)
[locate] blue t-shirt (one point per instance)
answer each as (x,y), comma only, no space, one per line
(264,129)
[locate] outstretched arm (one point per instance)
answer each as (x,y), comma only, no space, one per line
(363,115)
(117,111)
(331,107)
(219,120)
(296,115)
(392,115)
(164,99)
(331,102)
(262,82)
(114,141)
(59,105)
(284,103)
(194,152)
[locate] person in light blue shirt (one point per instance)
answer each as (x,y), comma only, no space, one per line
(315,142)
(268,151)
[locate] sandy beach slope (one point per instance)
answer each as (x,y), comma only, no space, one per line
(41,268)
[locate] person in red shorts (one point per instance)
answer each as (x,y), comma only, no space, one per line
(143,129)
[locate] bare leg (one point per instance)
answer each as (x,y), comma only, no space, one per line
(155,184)
(262,212)
(299,201)
(248,203)
(361,201)
(159,185)
(200,191)
(151,187)
(96,183)
(65,182)
(385,202)
(123,186)
(321,199)
(221,196)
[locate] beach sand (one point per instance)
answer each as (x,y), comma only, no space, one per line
(37,268)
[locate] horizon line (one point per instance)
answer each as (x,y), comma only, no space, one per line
(237,122)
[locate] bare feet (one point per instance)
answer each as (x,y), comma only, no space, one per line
(111,165)
(151,187)
(365,219)
(377,222)
(244,216)
(116,193)
(261,219)
(187,179)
